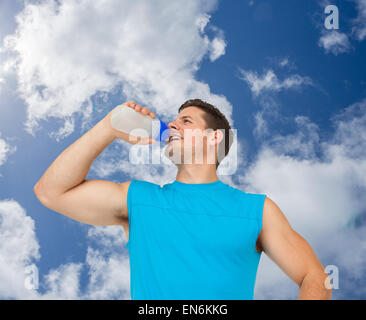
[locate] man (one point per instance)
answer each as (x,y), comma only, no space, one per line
(195,238)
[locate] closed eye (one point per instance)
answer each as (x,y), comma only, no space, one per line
(186,121)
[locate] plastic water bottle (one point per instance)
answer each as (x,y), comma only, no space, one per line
(126,119)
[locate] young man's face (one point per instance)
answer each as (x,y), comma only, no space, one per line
(189,140)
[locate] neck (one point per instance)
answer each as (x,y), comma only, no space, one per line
(197,173)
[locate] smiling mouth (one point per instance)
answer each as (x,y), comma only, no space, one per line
(174,138)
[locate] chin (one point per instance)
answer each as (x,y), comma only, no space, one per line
(174,154)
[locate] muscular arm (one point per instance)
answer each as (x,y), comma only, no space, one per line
(292,253)
(63,187)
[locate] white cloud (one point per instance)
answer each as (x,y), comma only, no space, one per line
(64,131)
(320,187)
(65,53)
(218,46)
(265,88)
(107,236)
(284,62)
(202,21)
(63,282)
(109,275)
(18,249)
(359,27)
(270,82)
(335,42)
(5,150)
(261,128)
(303,143)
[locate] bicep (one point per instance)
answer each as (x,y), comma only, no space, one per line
(284,246)
(94,202)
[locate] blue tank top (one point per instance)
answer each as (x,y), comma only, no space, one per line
(192,241)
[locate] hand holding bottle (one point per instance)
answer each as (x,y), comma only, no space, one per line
(121,125)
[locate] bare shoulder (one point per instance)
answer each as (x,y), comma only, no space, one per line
(274,222)
(272,214)
(269,204)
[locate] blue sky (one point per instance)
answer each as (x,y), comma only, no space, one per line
(294,90)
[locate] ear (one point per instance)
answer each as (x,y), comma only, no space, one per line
(215,137)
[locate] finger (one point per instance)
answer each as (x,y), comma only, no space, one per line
(130,104)
(133,139)
(148,141)
(145,110)
(143,140)
(138,107)
(152,115)
(138,140)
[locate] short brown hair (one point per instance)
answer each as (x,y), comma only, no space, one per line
(214,120)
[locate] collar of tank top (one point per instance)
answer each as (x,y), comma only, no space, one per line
(197,186)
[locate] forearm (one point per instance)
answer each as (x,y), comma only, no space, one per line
(71,167)
(313,288)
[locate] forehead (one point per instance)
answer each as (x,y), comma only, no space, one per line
(194,112)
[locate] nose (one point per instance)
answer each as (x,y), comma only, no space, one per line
(173,125)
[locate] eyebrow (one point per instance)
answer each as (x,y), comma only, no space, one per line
(183,117)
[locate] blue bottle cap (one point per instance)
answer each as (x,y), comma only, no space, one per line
(164,132)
